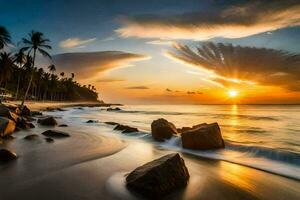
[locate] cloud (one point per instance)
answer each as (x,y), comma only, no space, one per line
(89,65)
(109,80)
(234,21)
(75,42)
(237,65)
(160,42)
(137,88)
(110,38)
(169,90)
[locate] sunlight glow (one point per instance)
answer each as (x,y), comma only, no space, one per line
(233,93)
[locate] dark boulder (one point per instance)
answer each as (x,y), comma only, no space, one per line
(35,113)
(7,155)
(23,124)
(49,140)
(159,177)
(63,125)
(5,112)
(48,121)
(184,129)
(7,126)
(31,137)
(9,137)
(203,138)
(125,129)
(161,129)
(55,134)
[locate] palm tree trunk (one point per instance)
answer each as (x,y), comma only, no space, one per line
(31,77)
(18,85)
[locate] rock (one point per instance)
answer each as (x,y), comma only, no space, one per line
(48,139)
(125,129)
(5,112)
(55,134)
(161,129)
(7,155)
(35,113)
(23,124)
(48,121)
(63,125)
(112,123)
(184,129)
(159,177)
(31,137)
(92,121)
(7,126)
(60,109)
(203,138)
(9,137)
(25,111)
(114,109)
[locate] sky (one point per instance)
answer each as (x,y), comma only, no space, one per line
(169,51)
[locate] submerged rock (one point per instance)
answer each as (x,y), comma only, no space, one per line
(112,123)
(159,177)
(35,113)
(114,109)
(48,121)
(63,125)
(161,129)
(7,155)
(125,129)
(49,140)
(204,137)
(55,133)
(7,126)
(31,137)
(92,121)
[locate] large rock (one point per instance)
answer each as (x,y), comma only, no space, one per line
(5,112)
(7,126)
(7,155)
(31,137)
(48,121)
(55,134)
(25,111)
(159,177)
(161,129)
(203,138)
(24,124)
(185,129)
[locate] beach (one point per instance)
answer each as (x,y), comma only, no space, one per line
(93,162)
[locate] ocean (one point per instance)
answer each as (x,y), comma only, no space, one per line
(265,137)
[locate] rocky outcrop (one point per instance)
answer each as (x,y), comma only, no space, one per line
(112,123)
(7,126)
(55,134)
(48,121)
(7,155)
(125,129)
(159,177)
(31,137)
(204,137)
(161,129)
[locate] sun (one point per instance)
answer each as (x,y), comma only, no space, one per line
(233,93)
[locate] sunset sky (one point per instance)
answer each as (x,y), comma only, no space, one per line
(145,52)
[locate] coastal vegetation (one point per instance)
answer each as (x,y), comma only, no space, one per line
(22,79)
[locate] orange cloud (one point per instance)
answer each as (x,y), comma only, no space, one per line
(75,42)
(232,22)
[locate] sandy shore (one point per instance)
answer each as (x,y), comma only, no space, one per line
(38,105)
(92,163)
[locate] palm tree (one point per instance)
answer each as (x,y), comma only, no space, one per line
(72,75)
(4,37)
(62,74)
(6,66)
(20,60)
(52,68)
(35,43)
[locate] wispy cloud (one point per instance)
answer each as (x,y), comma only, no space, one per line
(237,65)
(160,42)
(137,88)
(233,21)
(75,42)
(109,80)
(89,65)
(108,39)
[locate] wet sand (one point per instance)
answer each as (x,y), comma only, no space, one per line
(92,164)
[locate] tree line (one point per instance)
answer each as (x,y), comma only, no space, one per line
(20,76)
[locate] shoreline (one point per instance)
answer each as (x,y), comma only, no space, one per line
(84,171)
